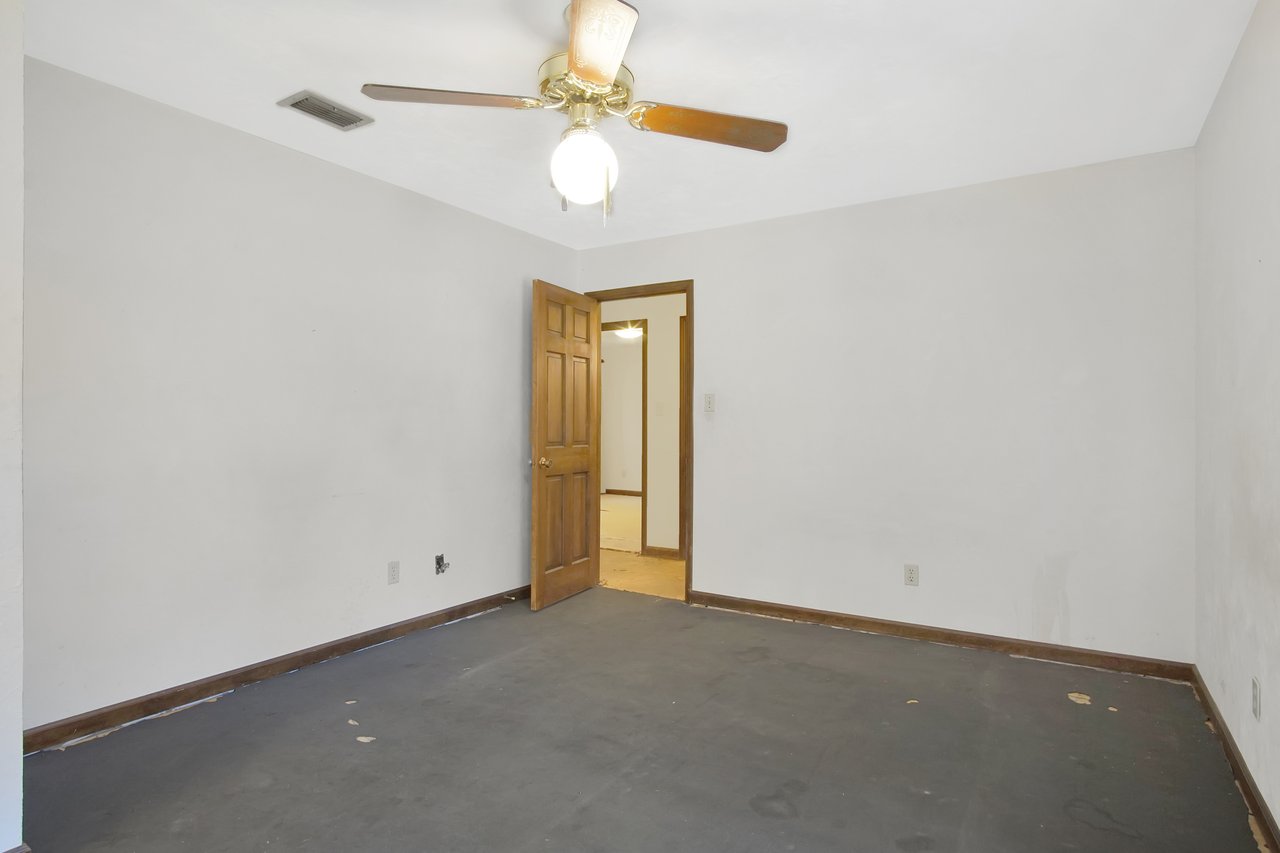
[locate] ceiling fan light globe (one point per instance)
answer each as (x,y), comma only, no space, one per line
(580,164)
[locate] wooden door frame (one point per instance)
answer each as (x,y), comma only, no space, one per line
(644,421)
(686,405)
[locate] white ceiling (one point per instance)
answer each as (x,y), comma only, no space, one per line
(884,97)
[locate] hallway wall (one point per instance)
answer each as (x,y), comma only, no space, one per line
(663,313)
(621,413)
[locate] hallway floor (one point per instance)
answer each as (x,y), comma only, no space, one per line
(620,523)
(649,575)
(622,722)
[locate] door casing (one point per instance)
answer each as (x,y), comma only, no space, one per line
(686,404)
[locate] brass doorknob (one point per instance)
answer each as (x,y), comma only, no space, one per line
(544,462)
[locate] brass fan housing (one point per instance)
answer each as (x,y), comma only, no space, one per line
(561,89)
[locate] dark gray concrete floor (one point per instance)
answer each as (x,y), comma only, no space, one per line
(618,722)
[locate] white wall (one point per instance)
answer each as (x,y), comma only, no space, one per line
(1238,520)
(995,383)
(662,503)
(621,412)
(250,385)
(253,378)
(10,423)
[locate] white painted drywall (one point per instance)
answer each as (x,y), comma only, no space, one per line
(11,94)
(253,378)
(995,383)
(621,412)
(662,505)
(1238,519)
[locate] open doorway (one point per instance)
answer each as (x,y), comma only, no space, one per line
(645,438)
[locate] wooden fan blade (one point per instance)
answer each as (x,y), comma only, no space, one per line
(445,96)
(599,31)
(754,133)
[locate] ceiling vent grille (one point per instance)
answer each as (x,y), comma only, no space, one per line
(327,111)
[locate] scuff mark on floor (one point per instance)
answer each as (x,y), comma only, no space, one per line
(1096,817)
(92,736)
(1258,837)
(779,804)
(1107,670)
(1080,698)
(915,844)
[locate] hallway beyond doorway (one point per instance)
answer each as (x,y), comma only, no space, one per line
(649,575)
(621,564)
(620,523)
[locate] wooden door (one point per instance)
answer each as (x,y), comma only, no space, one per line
(564,432)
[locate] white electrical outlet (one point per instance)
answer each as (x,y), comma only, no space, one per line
(708,402)
(1257,700)
(393,572)
(911,575)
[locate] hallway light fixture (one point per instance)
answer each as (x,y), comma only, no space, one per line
(630,332)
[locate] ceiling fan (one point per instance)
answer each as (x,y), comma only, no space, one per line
(590,83)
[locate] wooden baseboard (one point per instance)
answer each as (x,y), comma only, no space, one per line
(1263,821)
(60,731)
(628,492)
(663,553)
(1007,645)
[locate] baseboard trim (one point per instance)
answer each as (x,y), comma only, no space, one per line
(61,731)
(632,493)
(1007,645)
(661,553)
(21,848)
(1263,821)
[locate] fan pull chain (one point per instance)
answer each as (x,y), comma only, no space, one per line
(607,203)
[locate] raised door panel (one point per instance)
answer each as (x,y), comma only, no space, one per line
(553,523)
(555,400)
(580,389)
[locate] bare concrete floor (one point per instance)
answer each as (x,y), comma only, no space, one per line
(619,722)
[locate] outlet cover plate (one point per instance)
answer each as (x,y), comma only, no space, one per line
(911,574)
(393,572)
